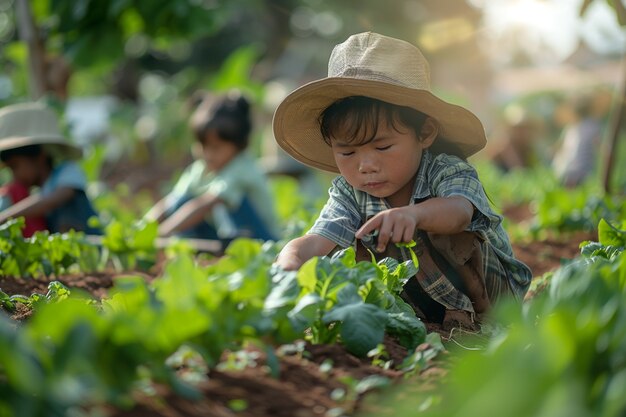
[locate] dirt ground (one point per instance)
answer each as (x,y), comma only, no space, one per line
(550,252)
(304,386)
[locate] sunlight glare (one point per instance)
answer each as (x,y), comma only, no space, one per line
(544,30)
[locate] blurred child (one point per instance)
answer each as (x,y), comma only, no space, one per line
(223,194)
(578,149)
(516,147)
(400,152)
(38,155)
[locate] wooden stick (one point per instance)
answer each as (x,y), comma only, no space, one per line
(215,247)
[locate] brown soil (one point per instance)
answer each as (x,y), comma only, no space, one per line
(303,388)
(549,253)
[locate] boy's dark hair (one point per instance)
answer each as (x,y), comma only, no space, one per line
(229,118)
(29,151)
(358,117)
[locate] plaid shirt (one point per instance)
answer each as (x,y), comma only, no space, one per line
(441,175)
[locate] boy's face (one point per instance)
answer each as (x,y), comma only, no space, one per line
(25,169)
(384,167)
(217,153)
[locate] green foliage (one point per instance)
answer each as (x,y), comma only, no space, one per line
(44,253)
(56,292)
(516,187)
(76,353)
(555,207)
(576,209)
(354,302)
(610,235)
(296,211)
(126,246)
(236,70)
(121,204)
(562,355)
(72,354)
(95,31)
(130,246)
(92,162)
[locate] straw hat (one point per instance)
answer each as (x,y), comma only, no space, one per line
(34,124)
(380,67)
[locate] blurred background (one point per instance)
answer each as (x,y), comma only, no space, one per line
(124,72)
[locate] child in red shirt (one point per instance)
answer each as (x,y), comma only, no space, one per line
(13,192)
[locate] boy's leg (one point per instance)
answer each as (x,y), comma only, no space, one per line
(202,230)
(476,269)
(249,223)
(435,293)
(74,215)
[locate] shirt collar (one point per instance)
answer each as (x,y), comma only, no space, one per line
(422,190)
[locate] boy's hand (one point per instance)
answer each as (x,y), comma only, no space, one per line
(301,249)
(288,263)
(393,225)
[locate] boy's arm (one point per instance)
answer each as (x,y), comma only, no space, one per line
(301,249)
(440,215)
(157,212)
(36,205)
(190,214)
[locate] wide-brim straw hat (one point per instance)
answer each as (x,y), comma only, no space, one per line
(371,65)
(27,124)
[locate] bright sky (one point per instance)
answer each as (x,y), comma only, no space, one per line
(549,30)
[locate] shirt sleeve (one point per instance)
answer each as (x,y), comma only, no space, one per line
(339,219)
(69,175)
(190,176)
(229,188)
(456,177)
(5,202)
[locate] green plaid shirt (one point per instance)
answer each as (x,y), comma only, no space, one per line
(441,175)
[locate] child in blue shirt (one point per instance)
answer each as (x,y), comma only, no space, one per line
(38,155)
(401,155)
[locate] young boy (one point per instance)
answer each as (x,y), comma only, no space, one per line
(223,194)
(400,152)
(38,155)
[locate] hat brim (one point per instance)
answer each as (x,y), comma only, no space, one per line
(297,130)
(57,145)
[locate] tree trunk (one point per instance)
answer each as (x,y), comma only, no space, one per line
(615,129)
(36,63)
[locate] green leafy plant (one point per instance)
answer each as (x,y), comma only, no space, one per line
(130,245)
(56,292)
(354,302)
(576,209)
(44,254)
(76,352)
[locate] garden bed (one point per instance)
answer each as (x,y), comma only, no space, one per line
(316,380)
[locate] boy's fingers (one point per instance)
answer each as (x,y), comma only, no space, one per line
(385,234)
(369,226)
(408,235)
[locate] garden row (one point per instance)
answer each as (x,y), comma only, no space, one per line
(76,352)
